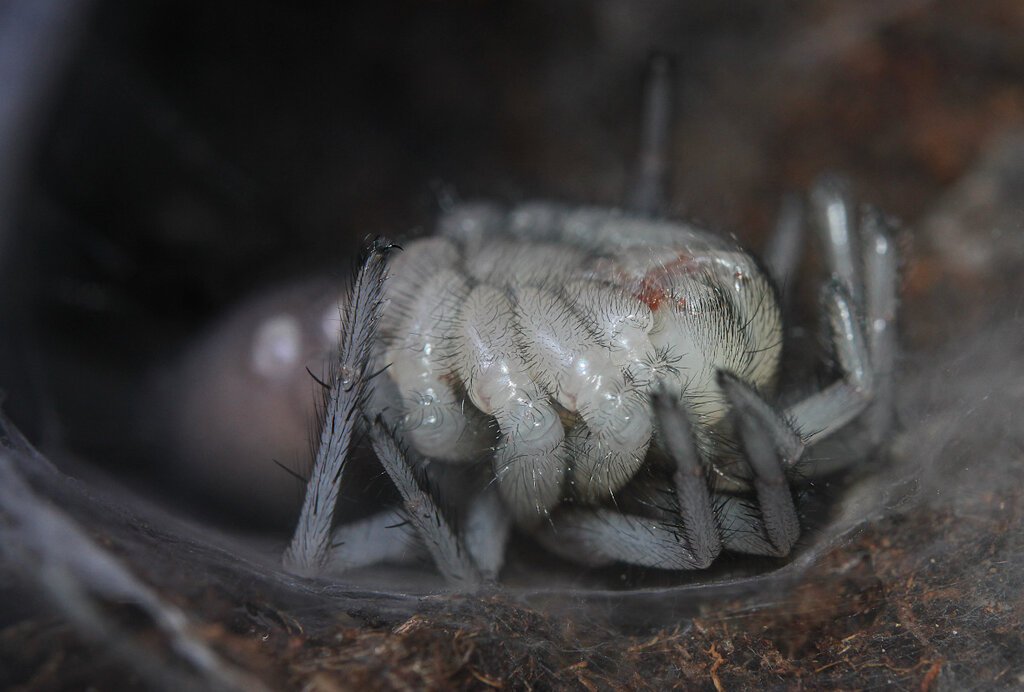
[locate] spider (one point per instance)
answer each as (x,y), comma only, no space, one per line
(605,380)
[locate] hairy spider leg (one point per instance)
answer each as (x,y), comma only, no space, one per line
(707,522)
(860,305)
(450,554)
(763,438)
(312,548)
(696,507)
(308,550)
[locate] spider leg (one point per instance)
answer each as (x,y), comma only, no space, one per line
(860,304)
(647,196)
(823,413)
(308,551)
(601,536)
(782,255)
(449,554)
(743,526)
(384,537)
(833,219)
(706,522)
(747,402)
(392,536)
(695,507)
(486,531)
(880,303)
(770,446)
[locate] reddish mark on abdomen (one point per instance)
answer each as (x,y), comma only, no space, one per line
(650,295)
(652,288)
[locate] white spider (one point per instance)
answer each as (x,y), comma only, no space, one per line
(609,371)
(560,324)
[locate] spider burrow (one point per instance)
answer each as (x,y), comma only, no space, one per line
(611,377)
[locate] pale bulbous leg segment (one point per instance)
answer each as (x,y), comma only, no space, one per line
(530,478)
(622,324)
(436,421)
(530,459)
(597,471)
(583,377)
